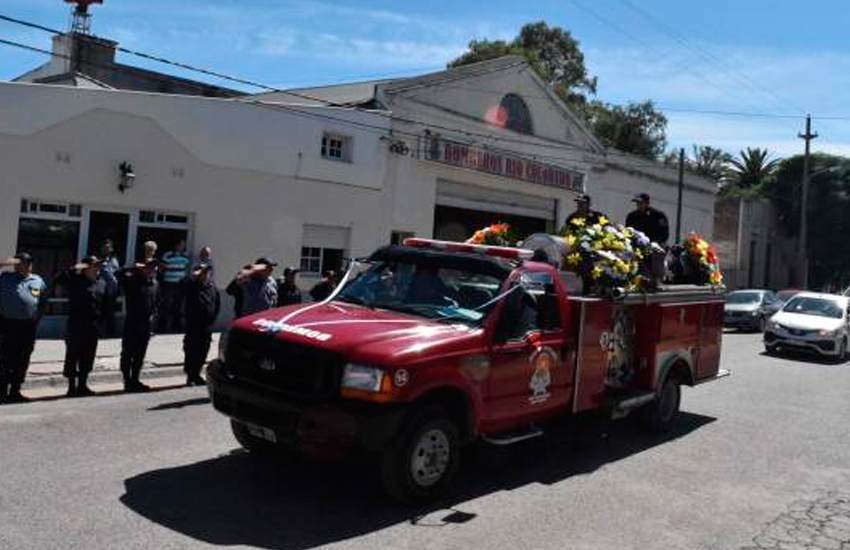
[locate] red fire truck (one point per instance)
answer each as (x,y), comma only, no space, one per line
(431,345)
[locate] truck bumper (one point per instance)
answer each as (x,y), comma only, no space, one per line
(325,429)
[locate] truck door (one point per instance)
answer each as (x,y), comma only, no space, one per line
(528,371)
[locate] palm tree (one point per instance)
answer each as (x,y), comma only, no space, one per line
(709,162)
(752,168)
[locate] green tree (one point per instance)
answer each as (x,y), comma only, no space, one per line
(552,51)
(828,222)
(751,169)
(637,128)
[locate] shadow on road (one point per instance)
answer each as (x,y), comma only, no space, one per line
(239,499)
(181,404)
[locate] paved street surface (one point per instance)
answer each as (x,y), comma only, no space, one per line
(761,460)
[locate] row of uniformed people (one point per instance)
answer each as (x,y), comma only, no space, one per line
(650,221)
(22,303)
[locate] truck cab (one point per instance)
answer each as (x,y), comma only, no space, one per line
(431,345)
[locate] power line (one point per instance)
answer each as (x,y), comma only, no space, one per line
(629,160)
(670,31)
(652,49)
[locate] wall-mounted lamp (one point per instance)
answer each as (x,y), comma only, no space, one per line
(128,177)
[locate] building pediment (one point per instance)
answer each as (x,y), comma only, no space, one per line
(503,93)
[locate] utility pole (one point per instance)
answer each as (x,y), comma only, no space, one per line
(679,201)
(804,202)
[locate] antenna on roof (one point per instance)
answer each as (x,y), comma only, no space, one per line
(80,16)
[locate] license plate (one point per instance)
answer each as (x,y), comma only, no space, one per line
(262,432)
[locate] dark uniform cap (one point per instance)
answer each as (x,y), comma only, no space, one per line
(584,197)
(642,197)
(266,261)
(24,257)
(290,271)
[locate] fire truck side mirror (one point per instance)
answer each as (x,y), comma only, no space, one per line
(509,317)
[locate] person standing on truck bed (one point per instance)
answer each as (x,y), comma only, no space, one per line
(202,307)
(22,302)
(88,295)
(141,294)
(583,211)
(648,220)
(259,289)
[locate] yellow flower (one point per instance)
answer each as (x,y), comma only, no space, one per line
(596,272)
(571,240)
(578,222)
(603,220)
(574,259)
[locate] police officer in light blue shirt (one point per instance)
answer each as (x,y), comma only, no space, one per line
(22,299)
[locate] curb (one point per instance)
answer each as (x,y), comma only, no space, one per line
(149,372)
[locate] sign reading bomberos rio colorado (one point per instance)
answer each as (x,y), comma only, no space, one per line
(503,164)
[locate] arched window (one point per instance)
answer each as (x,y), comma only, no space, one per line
(517,115)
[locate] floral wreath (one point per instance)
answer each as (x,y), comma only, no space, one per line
(497,234)
(605,254)
(704,260)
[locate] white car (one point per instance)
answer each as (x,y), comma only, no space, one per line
(811,321)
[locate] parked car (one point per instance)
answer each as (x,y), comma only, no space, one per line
(812,322)
(750,309)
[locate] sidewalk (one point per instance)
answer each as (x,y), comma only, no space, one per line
(164,359)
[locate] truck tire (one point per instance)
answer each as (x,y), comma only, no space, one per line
(660,415)
(251,443)
(421,462)
(842,351)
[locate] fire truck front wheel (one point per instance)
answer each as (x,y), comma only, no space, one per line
(421,462)
(659,415)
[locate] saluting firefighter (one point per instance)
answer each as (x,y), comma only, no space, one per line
(650,221)
(88,295)
(141,296)
(22,300)
(202,306)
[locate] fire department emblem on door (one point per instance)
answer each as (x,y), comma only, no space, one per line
(542,361)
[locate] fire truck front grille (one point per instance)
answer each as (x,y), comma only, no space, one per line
(286,367)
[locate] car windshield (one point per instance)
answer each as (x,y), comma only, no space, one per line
(820,307)
(425,290)
(743,298)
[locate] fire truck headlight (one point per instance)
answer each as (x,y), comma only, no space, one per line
(363,378)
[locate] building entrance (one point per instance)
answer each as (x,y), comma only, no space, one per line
(114,226)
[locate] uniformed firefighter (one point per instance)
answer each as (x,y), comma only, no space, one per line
(202,306)
(87,293)
(288,292)
(22,303)
(141,295)
(652,222)
(325,287)
(583,211)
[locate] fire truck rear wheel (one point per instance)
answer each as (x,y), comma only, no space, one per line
(421,462)
(660,415)
(255,445)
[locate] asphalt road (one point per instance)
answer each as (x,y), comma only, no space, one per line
(759,460)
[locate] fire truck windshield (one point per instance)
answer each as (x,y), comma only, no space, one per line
(424,289)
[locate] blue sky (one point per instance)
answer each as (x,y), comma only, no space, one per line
(753,56)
